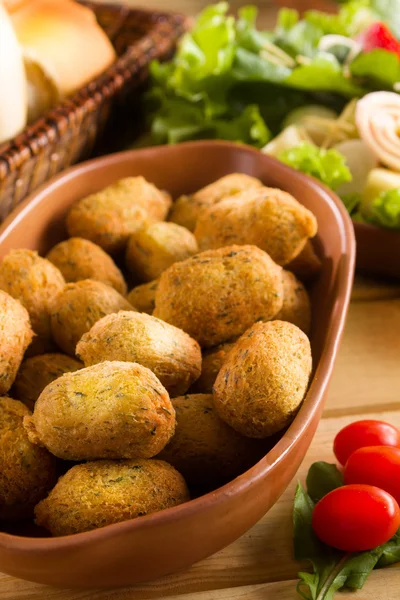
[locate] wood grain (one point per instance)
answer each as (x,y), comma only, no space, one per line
(263,555)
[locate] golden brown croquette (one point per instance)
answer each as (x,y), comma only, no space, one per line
(143,297)
(100,493)
(15,336)
(37,372)
(296,306)
(186,209)
(80,259)
(266,217)
(79,306)
(307,264)
(212,360)
(110,410)
(204,448)
(172,355)
(216,295)
(35,282)
(27,472)
(156,247)
(264,379)
(110,216)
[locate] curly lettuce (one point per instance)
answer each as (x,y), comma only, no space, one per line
(385,210)
(328,166)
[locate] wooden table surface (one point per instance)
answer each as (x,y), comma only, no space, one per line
(260,566)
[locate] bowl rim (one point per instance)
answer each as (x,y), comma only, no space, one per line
(315,392)
(375,229)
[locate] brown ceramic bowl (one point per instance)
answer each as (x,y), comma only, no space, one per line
(155,545)
(378,250)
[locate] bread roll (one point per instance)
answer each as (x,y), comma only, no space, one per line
(13,98)
(63,48)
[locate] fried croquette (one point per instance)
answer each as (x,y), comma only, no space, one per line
(186,209)
(266,217)
(37,372)
(109,217)
(156,247)
(172,355)
(212,361)
(15,336)
(110,410)
(264,379)
(307,264)
(216,295)
(296,306)
(204,448)
(27,472)
(143,297)
(100,493)
(35,282)
(79,306)
(79,259)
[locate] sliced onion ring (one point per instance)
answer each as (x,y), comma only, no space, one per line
(378,123)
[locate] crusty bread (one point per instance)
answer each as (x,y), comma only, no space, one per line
(63,47)
(13,99)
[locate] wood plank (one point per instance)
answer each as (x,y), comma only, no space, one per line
(367,373)
(381,585)
(263,555)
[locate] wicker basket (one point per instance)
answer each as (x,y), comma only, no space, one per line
(70,131)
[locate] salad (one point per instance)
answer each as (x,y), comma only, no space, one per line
(321,93)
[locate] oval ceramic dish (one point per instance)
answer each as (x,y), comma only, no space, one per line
(155,545)
(378,250)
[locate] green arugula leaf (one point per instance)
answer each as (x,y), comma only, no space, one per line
(332,570)
(390,552)
(322,478)
(380,67)
(328,166)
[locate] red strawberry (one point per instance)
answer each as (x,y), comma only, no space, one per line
(378,35)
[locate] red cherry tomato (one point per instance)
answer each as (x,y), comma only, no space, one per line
(355,518)
(376,465)
(364,433)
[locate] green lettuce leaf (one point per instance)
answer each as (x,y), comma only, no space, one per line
(324,73)
(328,166)
(385,210)
(351,18)
(351,202)
(380,67)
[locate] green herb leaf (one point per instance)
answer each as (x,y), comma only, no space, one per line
(322,478)
(328,166)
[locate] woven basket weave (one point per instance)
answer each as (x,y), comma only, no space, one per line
(69,132)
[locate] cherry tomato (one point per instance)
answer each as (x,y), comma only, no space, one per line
(355,518)
(364,433)
(375,465)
